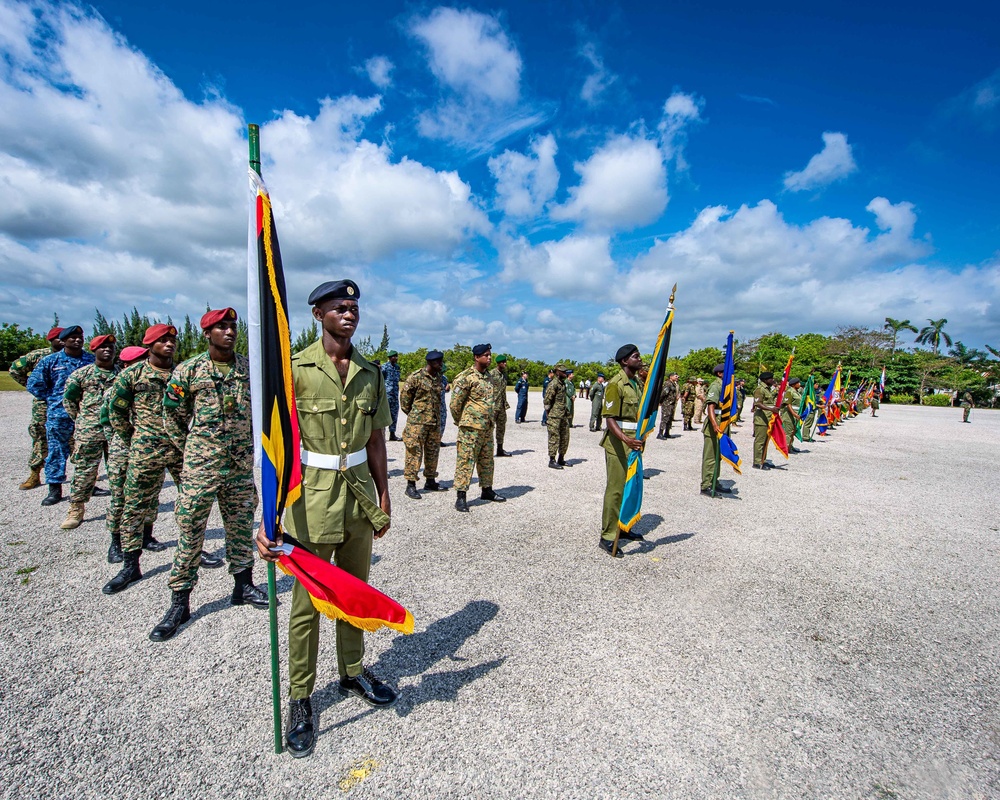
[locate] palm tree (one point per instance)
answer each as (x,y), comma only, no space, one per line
(933,334)
(994,350)
(897,325)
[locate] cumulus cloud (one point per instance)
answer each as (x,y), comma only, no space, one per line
(379,71)
(833,162)
(577,266)
(622,185)
(525,183)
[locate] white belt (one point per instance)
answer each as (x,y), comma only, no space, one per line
(340,463)
(627,426)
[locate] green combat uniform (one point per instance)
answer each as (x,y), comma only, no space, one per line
(338,511)
(83,398)
(668,406)
(214,401)
(19,371)
(596,401)
(420,399)
(764,395)
(559,407)
(621,403)
(473,398)
(687,405)
(136,413)
(499,377)
(117,470)
(709,459)
(788,422)
(966,406)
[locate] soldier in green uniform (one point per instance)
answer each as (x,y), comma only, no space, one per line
(621,411)
(206,413)
(876,399)
(473,398)
(709,453)
(967,406)
(687,404)
(763,407)
(499,376)
(420,399)
(342,410)
(571,396)
(20,371)
(597,401)
(668,405)
(84,396)
(790,412)
(558,409)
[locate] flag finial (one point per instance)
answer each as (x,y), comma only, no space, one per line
(673,292)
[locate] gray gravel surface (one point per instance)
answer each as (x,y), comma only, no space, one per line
(831,631)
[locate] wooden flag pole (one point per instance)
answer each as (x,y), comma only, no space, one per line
(272,589)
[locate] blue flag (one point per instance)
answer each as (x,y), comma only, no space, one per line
(729,406)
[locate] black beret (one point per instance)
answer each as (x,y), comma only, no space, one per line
(793,381)
(625,351)
(333,290)
(435,355)
(766,376)
(718,368)
(70,330)
(600,374)
(479,349)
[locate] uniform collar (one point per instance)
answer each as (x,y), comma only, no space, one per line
(315,355)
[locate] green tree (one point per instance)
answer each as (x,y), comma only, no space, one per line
(383,346)
(933,334)
(15,341)
(897,325)
(306,337)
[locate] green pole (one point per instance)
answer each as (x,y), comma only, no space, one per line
(718,460)
(253,132)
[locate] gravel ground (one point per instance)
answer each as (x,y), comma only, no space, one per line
(831,631)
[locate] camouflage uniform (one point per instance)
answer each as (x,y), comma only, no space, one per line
(20,370)
(83,399)
(47,382)
(420,400)
(135,411)
(499,378)
(117,469)
(444,402)
(473,395)
(687,405)
(557,408)
(390,373)
(218,461)
(668,406)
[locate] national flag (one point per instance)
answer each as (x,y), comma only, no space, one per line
(807,406)
(881,384)
(775,430)
(631,507)
(729,408)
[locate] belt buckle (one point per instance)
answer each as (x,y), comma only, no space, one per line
(343,464)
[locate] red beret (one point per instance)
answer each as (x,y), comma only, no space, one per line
(219,315)
(133,353)
(52,334)
(97,341)
(154,332)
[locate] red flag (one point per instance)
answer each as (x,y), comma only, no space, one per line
(775,430)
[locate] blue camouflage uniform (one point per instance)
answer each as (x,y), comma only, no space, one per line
(48,382)
(521,387)
(390,372)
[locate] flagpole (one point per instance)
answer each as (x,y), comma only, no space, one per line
(715,436)
(253,132)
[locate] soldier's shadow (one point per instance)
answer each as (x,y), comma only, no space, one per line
(572,462)
(511,492)
(650,546)
(395,473)
(651,472)
(166,508)
(520,452)
(414,655)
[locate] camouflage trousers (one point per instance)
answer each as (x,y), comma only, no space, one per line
(59,437)
(667,417)
(500,425)
(558,428)
(233,487)
(36,429)
(393,398)
(475,450)
(143,481)
(117,467)
(699,410)
(421,441)
(86,464)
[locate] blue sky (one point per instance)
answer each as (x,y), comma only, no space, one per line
(533,175)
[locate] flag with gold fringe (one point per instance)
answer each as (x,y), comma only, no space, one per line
(775,430)
(729,407)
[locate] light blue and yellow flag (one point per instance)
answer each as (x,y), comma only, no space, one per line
(729,407)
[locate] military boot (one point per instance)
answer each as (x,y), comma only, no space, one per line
(150,542)
(431,485)
(73,517)
(489,494)
(115,550)
(178,613)
(411,491)
(300,732)
(54,495)
(33,481)
(460,502)
(211,561)
(553,464)
(245,592)
(129,574)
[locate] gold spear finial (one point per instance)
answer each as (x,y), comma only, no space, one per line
(673,291)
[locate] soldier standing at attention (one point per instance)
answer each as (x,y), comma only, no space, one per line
(876,399)
(135,411)
(621,411)
(47,382)
(700,394)
(967,406)
(499,376)
(344,506)
(521,388)
(445,388)
(558,407)
(668,405)
(420,400)
(206,413)
(472,407)
(687,404)
(83,398)
(763,407)
(390,373)
(596,399)
(20,371)
(545,386)
(790,412)
(713,410)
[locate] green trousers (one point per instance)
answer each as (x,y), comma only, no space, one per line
(709,461)
(759,439)
(788,423)
(616,463)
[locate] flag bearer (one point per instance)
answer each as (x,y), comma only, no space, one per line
(709,454)
(790,412)
(763,407)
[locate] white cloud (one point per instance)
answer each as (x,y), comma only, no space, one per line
(833,162)
(379,71)
(622,185)
(525,183)
(547,318)
(578,266)
(680,111)
(598,81)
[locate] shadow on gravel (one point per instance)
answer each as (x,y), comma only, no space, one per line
(416,654)
(520,452)
(395,473)
(572,462)
(652,472)
(510,492)
(650,546)
(166,508)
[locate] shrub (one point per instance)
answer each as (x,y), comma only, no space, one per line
(937,400)
(901,399)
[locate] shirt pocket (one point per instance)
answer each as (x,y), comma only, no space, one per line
(366,402)
(317,417)
(206,406)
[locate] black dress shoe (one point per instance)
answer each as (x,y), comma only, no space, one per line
(210,561)
(411,491)
(128,574)
(630,536)
(245,592)
(563,463)
(100,492)
(431,485)
(54,495)
(723,489)
(370,689)
(502,454)
(553,464)
(300,732)
(708,493)
(489,494)
(150,542)
(178,613)
(607,545)
(393,437)
(461,504)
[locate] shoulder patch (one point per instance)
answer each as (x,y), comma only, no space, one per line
(174,395)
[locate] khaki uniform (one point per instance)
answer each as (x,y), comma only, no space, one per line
(709,456)
(420,399)
(700,393)
(338,511)
(788,422)
(473,398)
(558,404)
(20,370)
(501,405)
(218,461)
(621,403)
(764,395)
(83,398)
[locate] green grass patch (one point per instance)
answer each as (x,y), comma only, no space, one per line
(25,573)
(15,544)
(8,384)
